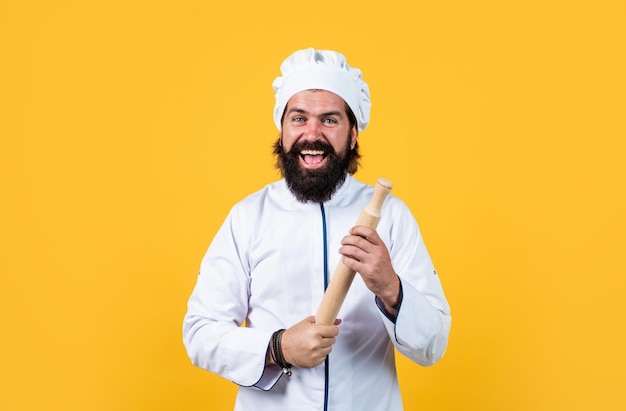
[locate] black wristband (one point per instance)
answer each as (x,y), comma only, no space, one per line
(277,353)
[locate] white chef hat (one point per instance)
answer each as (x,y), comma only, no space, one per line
(323,70)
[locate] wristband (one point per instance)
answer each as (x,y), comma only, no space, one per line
(277,353)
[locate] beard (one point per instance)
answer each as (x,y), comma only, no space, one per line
(318,185)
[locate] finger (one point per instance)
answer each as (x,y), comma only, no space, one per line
(324,353)
(357,241)
(328,342)
(367,233)
(354,252)
(328,331)
(351,251)
(354,264)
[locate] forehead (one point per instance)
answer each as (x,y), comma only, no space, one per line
(314,100)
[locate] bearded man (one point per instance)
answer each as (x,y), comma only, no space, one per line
(251,317)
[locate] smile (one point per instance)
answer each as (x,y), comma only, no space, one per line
(312,158)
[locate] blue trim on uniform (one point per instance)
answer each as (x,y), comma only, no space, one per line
(326,362)
(325,247)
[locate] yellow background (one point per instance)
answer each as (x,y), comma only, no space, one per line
(129,128)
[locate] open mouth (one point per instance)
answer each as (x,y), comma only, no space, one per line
(313,157)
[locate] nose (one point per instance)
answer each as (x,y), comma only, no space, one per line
(313,131)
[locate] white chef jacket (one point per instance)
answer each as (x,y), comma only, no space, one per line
(265,270)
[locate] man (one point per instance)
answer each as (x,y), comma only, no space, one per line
(251,317)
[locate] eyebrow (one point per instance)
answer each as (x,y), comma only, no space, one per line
(296,110)
(326,114)
(332,113)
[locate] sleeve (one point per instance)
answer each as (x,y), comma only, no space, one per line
(212,328)
(422,326)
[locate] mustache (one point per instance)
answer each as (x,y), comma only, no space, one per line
(312,145)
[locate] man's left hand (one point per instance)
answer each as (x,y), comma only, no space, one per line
(364,252)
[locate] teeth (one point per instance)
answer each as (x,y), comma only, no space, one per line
(312,152)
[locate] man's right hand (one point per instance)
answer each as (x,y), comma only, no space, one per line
(306,344)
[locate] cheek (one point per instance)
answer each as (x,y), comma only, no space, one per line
(286,140)
(343,141)
(287,145)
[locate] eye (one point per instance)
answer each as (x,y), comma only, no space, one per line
(297,119)
(330,121)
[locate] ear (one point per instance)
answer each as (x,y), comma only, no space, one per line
(354,134)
